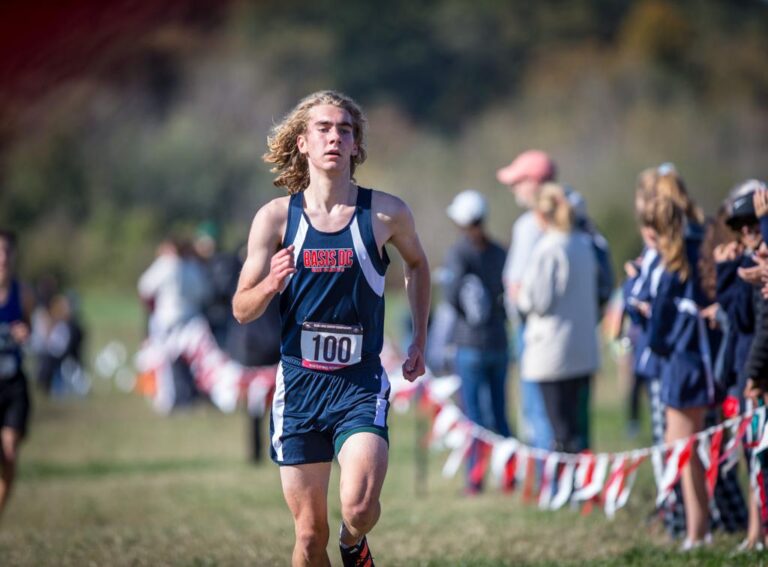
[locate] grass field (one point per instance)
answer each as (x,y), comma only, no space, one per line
(105,481)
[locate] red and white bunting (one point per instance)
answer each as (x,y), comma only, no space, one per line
(620,483)
(730,455)
(482,450)
(709,454)
(503,459)
(585,477)
(448,416)
(548,480)
(667,472)
(459,440)
(590,476)
(564,486)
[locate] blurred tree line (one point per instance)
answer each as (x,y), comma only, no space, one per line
(165,125)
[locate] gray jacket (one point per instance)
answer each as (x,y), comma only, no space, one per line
(559,296)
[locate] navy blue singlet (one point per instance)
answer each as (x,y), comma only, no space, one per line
(10,353)
(332,308)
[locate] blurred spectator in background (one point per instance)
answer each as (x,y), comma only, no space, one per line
(181,354)
(15,309)
(729,245)
(559,297)
(674,335)
(473,283)
(59,348)
(524,177)
(441,345)
(581,222)
(176,286)
(222,270)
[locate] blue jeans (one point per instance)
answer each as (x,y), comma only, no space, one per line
(483,376)
(537,431)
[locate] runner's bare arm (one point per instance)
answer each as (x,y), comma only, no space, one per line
(267,268)
(400,230)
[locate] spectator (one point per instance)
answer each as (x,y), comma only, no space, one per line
(734,251)
(559,297)
(686,388)
(61,356)
(177,288)
(221,270)
(524,177)
(474,288)
(175,285)
(582,222)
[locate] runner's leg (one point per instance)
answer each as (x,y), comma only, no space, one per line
(9,438)
(305,488)
(363,459)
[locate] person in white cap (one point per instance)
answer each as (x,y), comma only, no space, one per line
(473,286)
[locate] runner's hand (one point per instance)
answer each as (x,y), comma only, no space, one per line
(413,367)
(281,267)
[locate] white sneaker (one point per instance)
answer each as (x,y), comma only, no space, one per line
(746,546)
(690,545)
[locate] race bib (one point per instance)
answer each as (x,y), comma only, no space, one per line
(330,347)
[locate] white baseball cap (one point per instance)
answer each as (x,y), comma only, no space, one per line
(467,208)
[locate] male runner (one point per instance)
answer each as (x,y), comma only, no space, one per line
(14,330)
(322,250)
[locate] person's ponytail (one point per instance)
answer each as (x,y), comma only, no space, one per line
(554,206)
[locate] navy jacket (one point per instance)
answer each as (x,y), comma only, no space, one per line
(736,298)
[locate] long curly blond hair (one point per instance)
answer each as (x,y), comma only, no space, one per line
(283,152)
(668,220)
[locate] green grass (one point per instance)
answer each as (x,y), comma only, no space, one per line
(105,481)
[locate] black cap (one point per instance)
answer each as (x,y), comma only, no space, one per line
(741,211)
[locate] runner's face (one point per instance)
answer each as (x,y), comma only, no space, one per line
(329,140)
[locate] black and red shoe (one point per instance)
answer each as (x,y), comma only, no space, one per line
(358,555)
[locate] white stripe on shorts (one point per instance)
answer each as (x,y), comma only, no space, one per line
(278,411)
(381,401)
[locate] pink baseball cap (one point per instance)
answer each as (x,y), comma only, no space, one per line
(531,164)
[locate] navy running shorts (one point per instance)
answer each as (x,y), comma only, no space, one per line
(313,412)
(14,403)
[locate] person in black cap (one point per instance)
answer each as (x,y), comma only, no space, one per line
(738,300)
(757,364)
